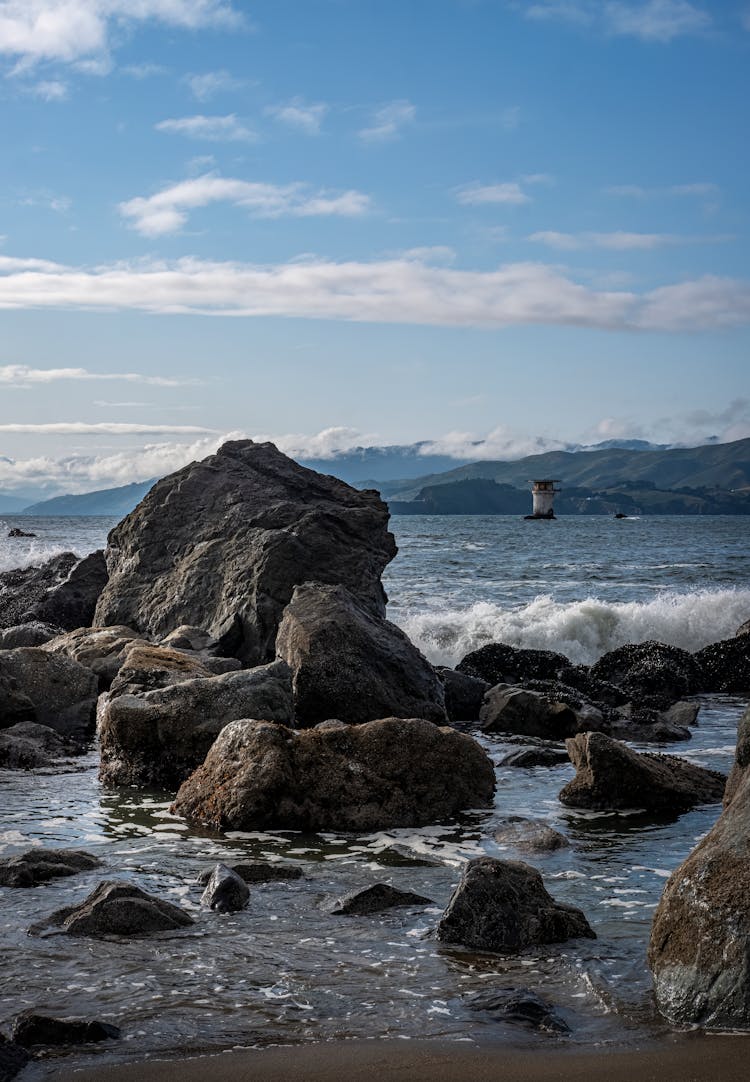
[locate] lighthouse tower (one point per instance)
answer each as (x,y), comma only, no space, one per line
(543,494)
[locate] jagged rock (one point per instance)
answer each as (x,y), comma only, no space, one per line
(347,663)
(541,756)
(101,649)
(160,737)
(388,773)
(743,629)
(226,891)
(116,908)
(28,746)
(651,673)
(610,775)
(24,587)
(16,531)
(33,633)
(39,865)
(148,668)
(71,604)
(62,693)
(13,1059)
(700,936)
(222,543)
(518,1005)
(375,899)
(258,872)
(510,709)
(502,906)
(30,1029)
(741,758)
(530,835)
(498,663)
(463,694)
(726,665)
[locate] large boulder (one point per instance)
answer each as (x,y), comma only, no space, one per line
(101,649)
(610,775)
(158,738)
(33,633)
(222,543)
(699,952)
(24,588)
(381,774)
(726,665)
(116,908)
(72,603)
(510,709)
(503,906)
(741,758)
(61,692)
(499,663)
(652,673)
(28,746)
(347,663)
(39,865)
(149,668)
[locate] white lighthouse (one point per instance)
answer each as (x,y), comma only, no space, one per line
(543,494)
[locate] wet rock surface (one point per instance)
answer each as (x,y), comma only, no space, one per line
(116,908)
(533,757)
(741,763)
(520,1006)
(347,663)
(510,709)
(499,663)
(39,865)
(375,899)
(28,746)
(726,665)
(13,1059)
(226,891)
(258,872)
(30,1029)
(22,589)
(72,603)
(51,690)
(530,835)
(463,694)
(651,673)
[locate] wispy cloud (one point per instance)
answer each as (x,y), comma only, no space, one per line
(60,204)
(166,211)
(145,70)
(388,122)
(636,191)
(209,83)
(649,20)
(22,375)
(104,428)
(621,241)
(49,90)
(305,117)
(385,291)
(212,129)
(509,192)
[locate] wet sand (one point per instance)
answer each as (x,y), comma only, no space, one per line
(683,1058)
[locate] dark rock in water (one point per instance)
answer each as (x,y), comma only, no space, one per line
(71,604)
(33,633)
(116,908)
(510,709)
(651,673)
(13,1059)
(16,532)
(390,773)
(267,873)
(401,856)
(160,737)
(518,1005)
(610,775)
(531,757)
(739,769)
(28,746)
(498,663)
(463,694)
(530,835)
(23,588)
(31,1029)
(226,891)
(601,693)
(61,692)
(101,649)
(148,668)
(726,665)
(375,899)
(503,906)
(222,543)
(39,865)
(700,936)
(347,663)
(683,714)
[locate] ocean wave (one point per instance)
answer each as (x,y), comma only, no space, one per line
(582,630)
(21,553)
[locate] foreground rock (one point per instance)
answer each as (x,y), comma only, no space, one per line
(37,866)
(50,690)
(509,709)
(610,775)
(13,1059)
(651,673)
(116,908)
(28,746)
(726,665)
(23,588)
(226,891)
(530,835)
(498,663)
(100,649)
(30,1029)
(374,899)
(700,937)
(503,906)
(160,737)
(222,543)
(388,773)
(347,663)
(518,1005)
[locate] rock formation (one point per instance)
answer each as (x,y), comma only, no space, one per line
(101,649)
(116,908)
(39,865)
(498,663)
(651,673)
(463,694)
(51,690)
(28,746)
(23,588)
(374,899)
(530,835)
(726,665)
(31,1029)
(226,891)
(741,758)
(510,709)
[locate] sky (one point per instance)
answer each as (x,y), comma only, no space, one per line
(342,222)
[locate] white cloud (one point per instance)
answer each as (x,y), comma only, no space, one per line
(298,114)
(620,241)
(386,291)
(166,211)
(32,31)
(61,204)
(649,20)
(431,253)
(636,191)
(501,443)
(22,375)
(49,90)
(388,122)
(143,71)
(213,129)
(209,83)
(509,192)
(104,428)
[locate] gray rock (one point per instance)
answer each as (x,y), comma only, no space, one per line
(72,603)
(62,693)
(374,899)
(388,773)
(28,746)
(726,665)
(651,673)
(743,629)
(149,668)
(30,1029)
(499,663)
(116,908)
(741,758)
(510,709)
(463,694)
(39,865)
(226,891)
(610,775)
(532,757)
(682,714)
(160,737)
(23,588)
(502,906)
(347,663)
(101,649)
(530,835)
(222,543)
(518,1005)
(13,1059)
(33,633)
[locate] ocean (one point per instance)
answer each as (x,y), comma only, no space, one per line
(285,970)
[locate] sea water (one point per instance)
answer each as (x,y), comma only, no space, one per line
(285,970)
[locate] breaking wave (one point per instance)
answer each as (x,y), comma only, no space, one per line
(582,630)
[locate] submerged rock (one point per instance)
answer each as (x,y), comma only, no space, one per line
(347,663)
(498,663)
(39,865)
(651,673)
(28,746)
(18,532)
(530,835)
(375,899)
(62,694)
(532,757)
(31,1029)
(610,775)
(502,906)
(226,891)
(222,543)
(390,773)
(726,665)
(510,709)
(258,872)
(116,908)
(518,1005)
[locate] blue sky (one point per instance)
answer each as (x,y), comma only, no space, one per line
(340,221)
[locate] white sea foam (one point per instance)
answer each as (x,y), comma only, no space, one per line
(582,630)
(19,552)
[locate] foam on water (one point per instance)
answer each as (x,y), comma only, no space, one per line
(582,630)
